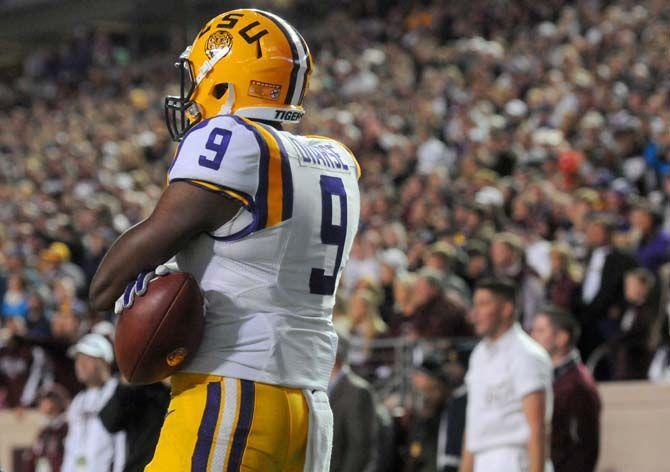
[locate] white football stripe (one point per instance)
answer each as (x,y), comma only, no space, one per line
(302,57)
(224,438)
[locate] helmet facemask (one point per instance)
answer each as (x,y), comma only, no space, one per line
(181,112)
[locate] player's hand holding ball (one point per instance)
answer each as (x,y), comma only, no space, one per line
(160,325)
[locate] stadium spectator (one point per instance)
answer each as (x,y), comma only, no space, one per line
(47,450)
(564,281)
(386,450)
(477,265)
(630,344)
(432,315)
(37,323)
(449,260)
(393,263)
(354,413)
(575,430)
(138,411)
(653,248)
(65,329)
(509,388)
(24,368)
(402,303)
(437,419)
(601,300)
(659,368)
(452,422)
(362,261)
(507,259)
(15,301)
(88,445)
(472,221)
(366,324)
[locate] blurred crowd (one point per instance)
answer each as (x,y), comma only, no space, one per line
(530,142)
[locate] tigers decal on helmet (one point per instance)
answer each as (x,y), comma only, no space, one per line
(245,62)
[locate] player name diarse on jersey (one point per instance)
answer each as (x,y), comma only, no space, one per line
(319,153)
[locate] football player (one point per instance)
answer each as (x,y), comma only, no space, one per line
(264,220)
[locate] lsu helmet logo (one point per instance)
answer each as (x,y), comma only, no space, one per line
(219,44)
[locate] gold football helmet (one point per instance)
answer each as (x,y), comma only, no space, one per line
(245,62)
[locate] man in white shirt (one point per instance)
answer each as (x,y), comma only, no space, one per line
(88,445)
(509,389)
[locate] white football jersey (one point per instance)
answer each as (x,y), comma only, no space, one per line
(270,274)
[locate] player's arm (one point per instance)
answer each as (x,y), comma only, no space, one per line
(467,458)
(183,211)
(533,406)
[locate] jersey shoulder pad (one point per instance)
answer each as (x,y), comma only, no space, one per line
(222,152)
(343,147)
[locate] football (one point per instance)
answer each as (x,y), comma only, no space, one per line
(161,330)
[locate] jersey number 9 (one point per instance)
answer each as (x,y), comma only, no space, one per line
(218,141)
(332,234)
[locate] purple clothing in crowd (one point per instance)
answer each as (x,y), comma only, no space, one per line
(655,251)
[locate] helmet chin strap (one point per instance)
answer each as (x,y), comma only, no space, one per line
(227,107)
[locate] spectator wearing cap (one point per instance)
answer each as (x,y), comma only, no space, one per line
(601,300)
(507,258)
(653,248)
(630,346)
(88,445)
(509,388)
(432,315)
(47,451)
(354,416)
(62,255)
(575,431)
(437,419)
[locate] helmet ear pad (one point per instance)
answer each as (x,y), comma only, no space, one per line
(219,90)
(224,93)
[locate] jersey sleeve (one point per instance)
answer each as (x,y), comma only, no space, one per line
(221,154)
(532,373)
